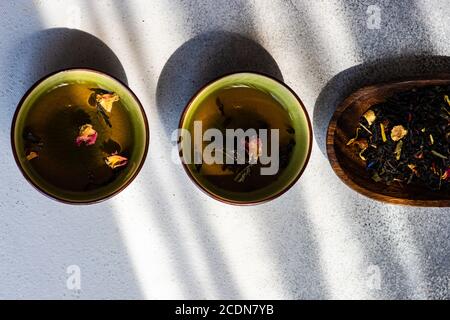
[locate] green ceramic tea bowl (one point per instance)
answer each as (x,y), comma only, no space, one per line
(299,122)
(45,179)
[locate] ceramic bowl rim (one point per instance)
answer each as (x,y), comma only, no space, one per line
(283,190)
(56,197)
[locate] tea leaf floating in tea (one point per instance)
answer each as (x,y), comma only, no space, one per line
(103,100)
(111,147)
(253,149)
(87,135)
(220,106)
(31,138)
(406,138)
(33,145)
(290,130)
(242,175)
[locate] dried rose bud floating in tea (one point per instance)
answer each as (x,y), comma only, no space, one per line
(244,108)
(87,135)
(78,137)
(405,140)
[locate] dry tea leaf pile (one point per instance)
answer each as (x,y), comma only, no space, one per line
(406,139)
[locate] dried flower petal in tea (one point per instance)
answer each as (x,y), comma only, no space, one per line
(107,100)
(103,100)
(32,155)
(115,161)
(87,135)
(370,117)
(253,147)
(398,133)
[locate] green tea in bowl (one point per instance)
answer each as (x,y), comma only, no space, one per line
(80,136)
(245,138)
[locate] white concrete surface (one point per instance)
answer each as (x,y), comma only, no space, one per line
(163,238)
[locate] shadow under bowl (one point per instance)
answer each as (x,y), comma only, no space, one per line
(138,136)
(299,121)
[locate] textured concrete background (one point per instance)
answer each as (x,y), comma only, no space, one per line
(162,238)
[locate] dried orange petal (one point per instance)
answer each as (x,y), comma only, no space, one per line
(115,161)
(398,133)
(370,117)
(383,132)
(32,155)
